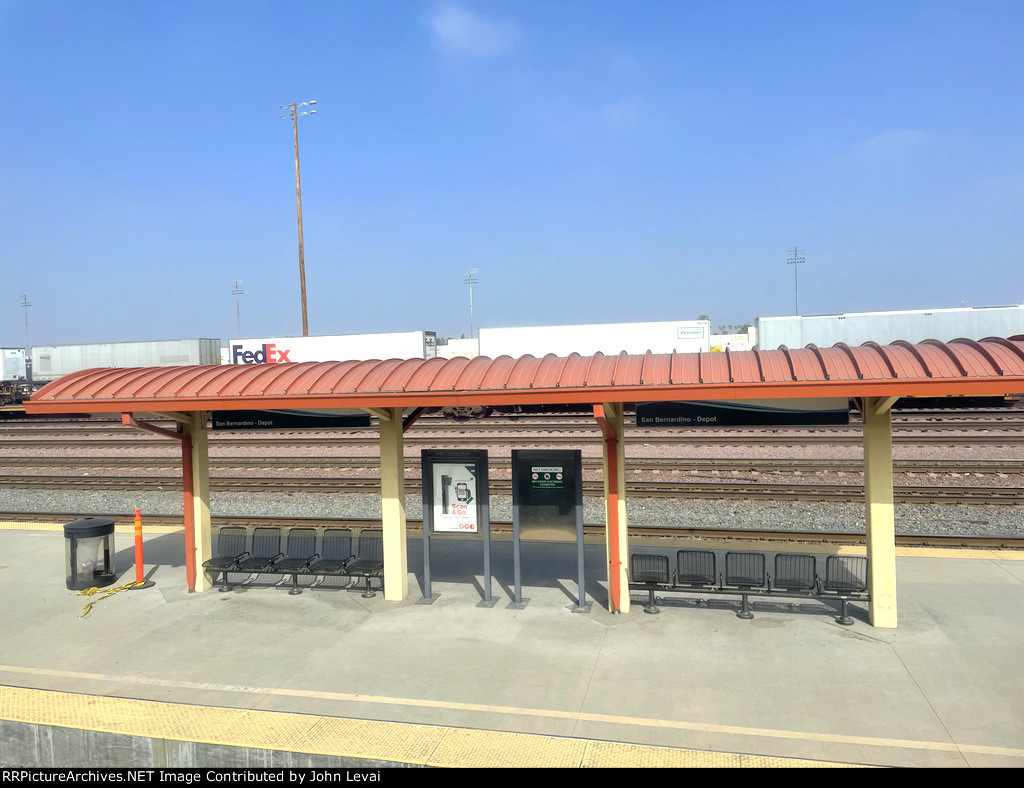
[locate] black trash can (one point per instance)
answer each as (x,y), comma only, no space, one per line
(89,552)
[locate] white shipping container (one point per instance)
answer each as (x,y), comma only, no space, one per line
(13,363)
(856,328)
(53,361)
(683,336)
(346,347)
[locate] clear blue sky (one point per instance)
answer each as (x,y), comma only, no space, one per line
(595,161)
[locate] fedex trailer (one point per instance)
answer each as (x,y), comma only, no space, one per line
(344,347)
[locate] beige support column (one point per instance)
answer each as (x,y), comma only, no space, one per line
(392,489)
(616,539)
(201,496)
(881,517)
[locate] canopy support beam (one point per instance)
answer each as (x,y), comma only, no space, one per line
(880,512)
(609,418)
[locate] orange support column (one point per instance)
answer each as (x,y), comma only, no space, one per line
(609,417)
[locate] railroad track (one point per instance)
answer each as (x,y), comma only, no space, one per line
(567,439)
(782,539)
(638,464)
(639,489)
(584,426)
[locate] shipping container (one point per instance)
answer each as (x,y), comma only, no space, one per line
(345,347)
(53,361)
(913,326)
(683,336)
(13,363)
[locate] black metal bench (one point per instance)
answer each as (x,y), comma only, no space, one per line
(846,577)
(230,550)
(299,556)
(335,553)
(746,575)
(369,559)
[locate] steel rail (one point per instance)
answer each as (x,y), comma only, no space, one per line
(707,536)
(636,464)
(634,488)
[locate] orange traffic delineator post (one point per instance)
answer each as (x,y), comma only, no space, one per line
(140,577)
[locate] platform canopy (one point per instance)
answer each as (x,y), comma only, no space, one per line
(989,367)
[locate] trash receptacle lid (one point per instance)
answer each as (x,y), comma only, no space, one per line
(89,526)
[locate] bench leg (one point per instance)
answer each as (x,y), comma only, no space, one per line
(224,582)
(368,593)
(295,585)
(844,619)
(650,607)
(744,609)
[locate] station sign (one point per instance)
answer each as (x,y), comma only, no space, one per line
(744,413)
(289,419)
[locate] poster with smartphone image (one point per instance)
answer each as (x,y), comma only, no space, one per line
(455,498)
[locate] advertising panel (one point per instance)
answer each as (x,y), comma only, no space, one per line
(455,498)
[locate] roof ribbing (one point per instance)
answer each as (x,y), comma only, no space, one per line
(992,366)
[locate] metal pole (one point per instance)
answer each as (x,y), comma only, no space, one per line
(298,201)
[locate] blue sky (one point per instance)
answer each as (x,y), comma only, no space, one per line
(595,161)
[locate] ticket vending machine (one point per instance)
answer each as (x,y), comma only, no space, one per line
(547,506)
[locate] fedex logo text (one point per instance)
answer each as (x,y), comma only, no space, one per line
(269,354)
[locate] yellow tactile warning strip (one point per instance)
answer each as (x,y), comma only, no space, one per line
(121,528)
(918,552)
(393,742)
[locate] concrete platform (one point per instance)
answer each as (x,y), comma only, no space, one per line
(945,689)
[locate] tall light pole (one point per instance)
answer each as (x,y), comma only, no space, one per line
(237,291)
(469,278)
(796,257)
(25,304)
(294,114)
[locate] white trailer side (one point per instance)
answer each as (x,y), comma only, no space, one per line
(684,336)
(50,362)
(856,328)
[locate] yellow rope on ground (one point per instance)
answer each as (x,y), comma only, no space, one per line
(107,592)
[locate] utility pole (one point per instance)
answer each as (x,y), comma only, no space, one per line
(237,291)
(294,114)
(469,278)
(796,257)
(25,304)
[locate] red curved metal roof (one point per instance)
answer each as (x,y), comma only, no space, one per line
(993,366)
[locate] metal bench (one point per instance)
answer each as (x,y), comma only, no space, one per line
(266,551)
(795,575)
(846,576)
(299,556)
(794,572)
(649,570)
(695,569)
(369,561)
(744,572)
(335,553)
(230,550)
